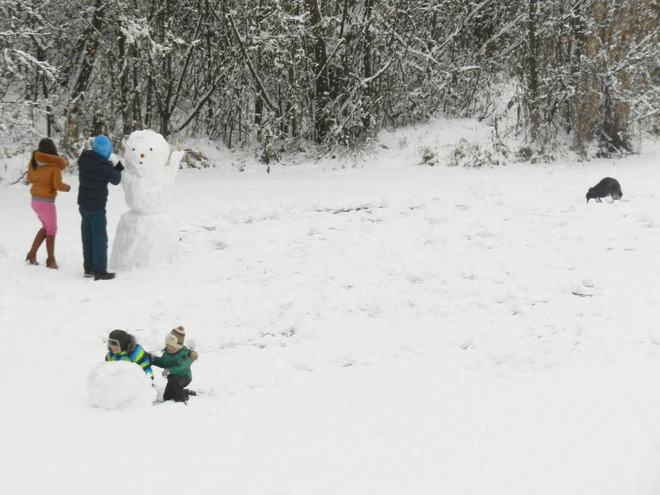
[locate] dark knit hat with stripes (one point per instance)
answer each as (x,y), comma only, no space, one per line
(176,337)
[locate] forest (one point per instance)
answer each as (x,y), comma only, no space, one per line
(277,75)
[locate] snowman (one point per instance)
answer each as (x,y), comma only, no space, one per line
(148,233)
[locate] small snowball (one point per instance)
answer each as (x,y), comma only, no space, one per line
(120,385)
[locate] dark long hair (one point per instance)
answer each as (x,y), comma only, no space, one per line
(46,146)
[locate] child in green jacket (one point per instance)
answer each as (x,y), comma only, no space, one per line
(176,361)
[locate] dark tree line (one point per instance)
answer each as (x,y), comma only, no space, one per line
(276,73)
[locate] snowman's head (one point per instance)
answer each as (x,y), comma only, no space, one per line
(146,153)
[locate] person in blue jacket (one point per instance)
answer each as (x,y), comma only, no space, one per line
(95,172)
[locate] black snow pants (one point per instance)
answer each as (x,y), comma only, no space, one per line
(175,389)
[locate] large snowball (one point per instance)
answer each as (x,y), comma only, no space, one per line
(144,240)
(148,195)
(119,385)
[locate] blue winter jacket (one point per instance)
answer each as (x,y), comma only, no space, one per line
(95,172)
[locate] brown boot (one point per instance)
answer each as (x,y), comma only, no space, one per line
(50,247)
(38,240)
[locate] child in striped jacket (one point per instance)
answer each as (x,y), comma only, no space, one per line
(123,347)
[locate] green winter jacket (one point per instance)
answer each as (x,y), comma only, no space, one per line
(178,363)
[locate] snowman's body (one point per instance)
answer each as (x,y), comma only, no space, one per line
(147,234)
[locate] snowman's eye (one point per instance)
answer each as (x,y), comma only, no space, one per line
(133,149)
(151,149)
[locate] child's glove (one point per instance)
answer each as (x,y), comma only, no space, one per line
(119,167)
(193,355)
(166,372)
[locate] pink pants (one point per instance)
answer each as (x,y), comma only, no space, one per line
(47,214)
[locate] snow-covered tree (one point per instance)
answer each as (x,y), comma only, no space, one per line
(27,37)
(277,73)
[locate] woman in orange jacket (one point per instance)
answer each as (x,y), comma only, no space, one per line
(45,173)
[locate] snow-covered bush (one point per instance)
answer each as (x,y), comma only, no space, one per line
(429,156)
(474,155)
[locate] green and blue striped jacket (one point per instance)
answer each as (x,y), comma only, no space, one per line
(137,355)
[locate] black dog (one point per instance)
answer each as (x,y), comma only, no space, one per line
(606,187)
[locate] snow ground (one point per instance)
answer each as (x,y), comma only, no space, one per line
(387,329)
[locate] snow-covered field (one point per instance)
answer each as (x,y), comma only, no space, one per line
(392,328)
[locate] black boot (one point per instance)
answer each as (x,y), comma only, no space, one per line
(104,276)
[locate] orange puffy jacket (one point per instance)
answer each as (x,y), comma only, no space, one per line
(47,178)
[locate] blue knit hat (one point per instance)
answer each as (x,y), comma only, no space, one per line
(102,146)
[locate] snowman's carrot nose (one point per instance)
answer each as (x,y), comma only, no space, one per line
(141,156)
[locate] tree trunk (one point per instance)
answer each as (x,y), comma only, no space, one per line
(532,61)
(322,82)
